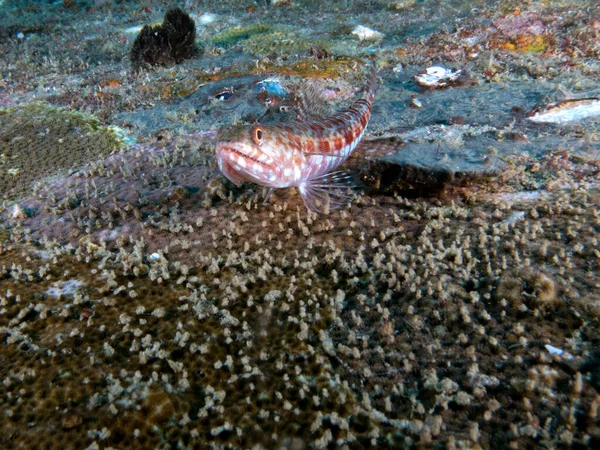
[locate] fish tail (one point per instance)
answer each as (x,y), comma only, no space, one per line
(373,81)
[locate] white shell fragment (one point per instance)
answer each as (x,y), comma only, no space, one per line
(437,77)
(414,102)
(367,34)
(567,111)
(554,350)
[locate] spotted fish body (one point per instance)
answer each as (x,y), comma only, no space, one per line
(300,154)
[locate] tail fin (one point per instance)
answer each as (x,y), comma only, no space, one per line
(373,81)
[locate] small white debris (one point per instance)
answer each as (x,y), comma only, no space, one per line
(104,434)
(437,77)
(553,350)
(398,69)
(218,430)
(367,34)
(122,134)
(567,111)
(134,30)
(17,213)
(401,6)
(205,18)
(69,287)
(154,257)
(414,102)
(20,35)
(273,295)
(514,217)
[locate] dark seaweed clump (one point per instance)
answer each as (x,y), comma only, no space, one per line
(166,44)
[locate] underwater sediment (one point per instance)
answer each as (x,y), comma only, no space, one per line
(147,302)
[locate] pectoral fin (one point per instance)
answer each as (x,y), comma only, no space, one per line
(311,104)
(328,191)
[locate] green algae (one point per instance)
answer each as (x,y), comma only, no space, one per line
(292,42)
(262,41)
(279,43)
(329,68)
(325,68)
(38,141)
(232,36)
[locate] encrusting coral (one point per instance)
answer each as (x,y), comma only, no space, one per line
(145,302)
(39,142)
(211,318)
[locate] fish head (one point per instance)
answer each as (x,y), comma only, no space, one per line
(251,153)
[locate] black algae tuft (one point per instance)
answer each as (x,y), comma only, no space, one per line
(181,31)
(166,44)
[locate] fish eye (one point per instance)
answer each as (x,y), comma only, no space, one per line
(258,135)
(225,94)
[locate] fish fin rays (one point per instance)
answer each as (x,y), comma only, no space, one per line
(327,192)
(311,104)
(266,200)
(328,154)
(373,80)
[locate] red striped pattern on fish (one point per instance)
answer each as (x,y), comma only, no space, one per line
(301,154)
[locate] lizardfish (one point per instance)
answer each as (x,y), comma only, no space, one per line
(301,154)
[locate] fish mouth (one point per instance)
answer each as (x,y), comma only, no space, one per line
(239,157)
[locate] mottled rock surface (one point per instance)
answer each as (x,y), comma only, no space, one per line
(147,302)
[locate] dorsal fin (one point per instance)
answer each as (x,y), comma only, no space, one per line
(311,104)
